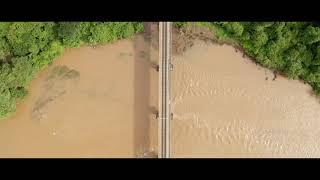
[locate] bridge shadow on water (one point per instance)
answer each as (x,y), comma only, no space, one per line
(143,66)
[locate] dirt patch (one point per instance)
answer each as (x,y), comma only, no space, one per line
(183,38)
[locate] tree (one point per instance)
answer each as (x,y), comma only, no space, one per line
(73,34)
(311,35)
(111,31)
(29,38)
(234,28)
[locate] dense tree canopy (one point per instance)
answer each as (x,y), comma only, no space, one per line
(27,47)
(292,48)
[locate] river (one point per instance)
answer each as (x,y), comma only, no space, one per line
(226,106)
(91,102)
(101,102)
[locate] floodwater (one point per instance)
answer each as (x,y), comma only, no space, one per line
(101,102)
(226,106)
(91,102)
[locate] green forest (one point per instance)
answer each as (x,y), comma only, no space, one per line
(27,47)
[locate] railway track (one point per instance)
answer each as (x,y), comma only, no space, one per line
(165,67)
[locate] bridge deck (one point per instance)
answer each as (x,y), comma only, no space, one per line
(164,89)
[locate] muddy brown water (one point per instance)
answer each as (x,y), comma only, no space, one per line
(100,102)
(226,106)
(91,102)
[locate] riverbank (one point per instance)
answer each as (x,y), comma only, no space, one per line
(91,102)
(288,48)
(225,105)
(28,47)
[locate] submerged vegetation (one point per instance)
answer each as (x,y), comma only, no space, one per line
(27,47)
(291,48)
